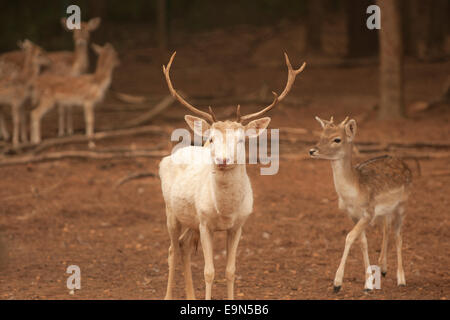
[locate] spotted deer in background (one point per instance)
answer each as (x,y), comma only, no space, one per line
(377,188)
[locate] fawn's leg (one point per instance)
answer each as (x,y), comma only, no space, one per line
(36,116)
(15,110)
(382,260)
(398,221)
(3,129)
(187,242)
(69,126)
(23,124)
(206,238)
(61,122)
(89,122)
(233,237)
(365,252)
(351,236)
(174,228)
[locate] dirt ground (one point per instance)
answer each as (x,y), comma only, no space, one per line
(62,213)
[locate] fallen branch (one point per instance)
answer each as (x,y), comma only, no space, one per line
(79,138)
(75,154)
(147,116)
(128,98)
(132,177)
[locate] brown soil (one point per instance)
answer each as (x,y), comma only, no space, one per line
(60,213)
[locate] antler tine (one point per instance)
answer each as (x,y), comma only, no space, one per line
(292,73)
(345,121)
(166,70)
(238,113)
(212,114)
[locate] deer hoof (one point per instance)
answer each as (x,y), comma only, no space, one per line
(383,273)
(336,289)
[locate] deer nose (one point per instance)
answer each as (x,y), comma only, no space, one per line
(312,151)
(222,161)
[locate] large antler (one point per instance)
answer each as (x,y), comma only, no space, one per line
(292,73)
(207,116)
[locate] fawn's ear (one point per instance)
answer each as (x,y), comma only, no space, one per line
(25,44)
(350,129)
(98,49)
(64,24)
(255,127)
(198,125)
(93,23)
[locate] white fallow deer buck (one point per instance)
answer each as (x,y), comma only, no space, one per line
(208,197)
(375,189)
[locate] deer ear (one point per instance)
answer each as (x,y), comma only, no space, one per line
(255,128)
(64,24)
(199,126)
(350,129)
(93,23)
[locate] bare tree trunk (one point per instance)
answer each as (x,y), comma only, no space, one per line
(314,26)
(391,60)
(162,27)
(361,41)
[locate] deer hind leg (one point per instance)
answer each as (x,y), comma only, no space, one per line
(174,228)
(15,110)
(351,236)
(206,238)
(61,122)
(365,252)
(398,222)
(382,260)
(89,122)
(36,116)
(69,120)
(233,237)
(3,129)
(23,124)
(188,240)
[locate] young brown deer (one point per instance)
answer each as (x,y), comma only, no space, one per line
(16,90)
(66,63)
(377,188)
(206,197)
(85,90)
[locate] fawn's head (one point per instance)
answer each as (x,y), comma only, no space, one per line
(335,141)
(107,55)
(81,36)
(227,138)
(35,56)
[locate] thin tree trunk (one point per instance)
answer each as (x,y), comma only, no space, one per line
(314,26)
(391,60)
(362,42)
(162,34)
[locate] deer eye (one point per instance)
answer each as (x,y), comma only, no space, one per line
(337,140)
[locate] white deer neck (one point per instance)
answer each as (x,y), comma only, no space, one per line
(229,188)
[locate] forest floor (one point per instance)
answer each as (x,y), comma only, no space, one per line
(61,213)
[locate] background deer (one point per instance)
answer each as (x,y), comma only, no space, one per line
(15,89)
(377,188)
(204,198)
(66,63)
(65,91)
